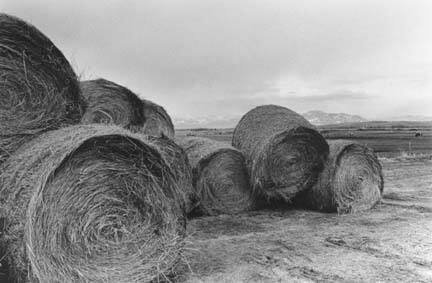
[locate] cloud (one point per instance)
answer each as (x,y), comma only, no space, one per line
(199,52)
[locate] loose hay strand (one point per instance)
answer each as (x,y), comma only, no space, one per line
(284,152)
(90,203)
(220,176)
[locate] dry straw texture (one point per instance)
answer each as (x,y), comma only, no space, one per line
(178,161)
(90,203)
(111,103)
(351,181)
(39,90)
(284,153)
(220,176)
(158,122)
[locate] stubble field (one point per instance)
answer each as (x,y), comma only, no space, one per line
(390,243)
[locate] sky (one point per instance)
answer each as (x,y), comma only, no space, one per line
(220,58)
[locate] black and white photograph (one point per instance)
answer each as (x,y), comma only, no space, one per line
(222,141)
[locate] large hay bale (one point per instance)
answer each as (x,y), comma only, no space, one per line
(351,181)
(284,153)
(110,103)
(90,203)
(158,122)
(39,90)
(178,161)
(220,176)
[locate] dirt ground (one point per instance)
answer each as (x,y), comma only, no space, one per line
(390,243)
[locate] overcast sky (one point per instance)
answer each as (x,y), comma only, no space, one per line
(203,57)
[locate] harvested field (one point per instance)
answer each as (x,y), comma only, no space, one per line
(390,243)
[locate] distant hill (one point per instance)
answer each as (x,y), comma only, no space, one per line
(318,118)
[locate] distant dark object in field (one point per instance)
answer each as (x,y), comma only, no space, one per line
(284,153)
(177,160)
(158,122)
(351,181)
(110,103)
(220,176)
(418,134)
(90,203)
(39,90)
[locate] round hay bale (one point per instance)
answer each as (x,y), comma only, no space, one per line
(39,90)
(284,153)
(158,122)
(351,181)
(220,176)
(90,203)
(110,103)
(177,160)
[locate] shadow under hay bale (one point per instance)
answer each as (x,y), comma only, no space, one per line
(220,176)
(90,203)
(351,181)
(110,103)
(177,160)
(39,90)
(158,122)
(284,153)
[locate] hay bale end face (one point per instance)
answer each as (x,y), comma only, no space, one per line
(284,153)
(158,122)
(177,160)
(90,203)
(220,176)
(110,103)
(351,181)
(39,89)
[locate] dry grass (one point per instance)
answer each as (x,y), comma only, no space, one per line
(39,90)
(220,177)
(351,181)
(284,153)
(90,203)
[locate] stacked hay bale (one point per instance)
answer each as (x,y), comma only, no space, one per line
(284,153)
(158,122)
(110,103)
(178,161)
(351,181)
(90,203)
(220,176)
(39,90)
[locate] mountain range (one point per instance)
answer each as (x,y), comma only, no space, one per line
(316,117)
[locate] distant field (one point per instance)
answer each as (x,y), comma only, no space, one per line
(386,138)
